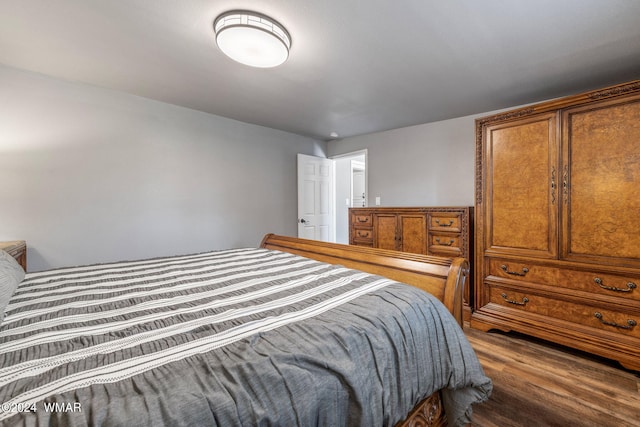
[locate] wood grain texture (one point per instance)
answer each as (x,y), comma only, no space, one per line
(521,197)
(536,383)
(428,413)
(603,144)
(385,234)
(559,209)
(413,233)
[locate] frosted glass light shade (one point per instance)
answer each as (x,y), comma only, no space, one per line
(252,39)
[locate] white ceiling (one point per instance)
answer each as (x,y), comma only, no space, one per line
(355,67)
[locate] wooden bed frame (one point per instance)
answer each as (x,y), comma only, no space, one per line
(444,278)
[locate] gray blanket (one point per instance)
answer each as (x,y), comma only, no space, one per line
(239,337)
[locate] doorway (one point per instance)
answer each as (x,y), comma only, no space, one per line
(351,189)
(358,193)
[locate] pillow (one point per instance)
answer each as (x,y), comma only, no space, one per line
(11,274)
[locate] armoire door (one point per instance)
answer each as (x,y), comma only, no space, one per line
(521,187)
(601,200)
(385,231)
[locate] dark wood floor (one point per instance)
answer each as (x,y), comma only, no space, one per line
(540,384)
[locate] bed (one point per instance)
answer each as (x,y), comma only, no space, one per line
(294,332)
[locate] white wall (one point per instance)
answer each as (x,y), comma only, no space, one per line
(425,165)
(92,175)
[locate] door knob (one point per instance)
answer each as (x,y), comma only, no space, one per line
(303,221)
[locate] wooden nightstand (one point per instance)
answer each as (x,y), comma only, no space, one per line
(17,249)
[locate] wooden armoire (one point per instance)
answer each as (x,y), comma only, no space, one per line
(558,222)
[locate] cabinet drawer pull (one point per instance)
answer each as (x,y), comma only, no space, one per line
(630,323)
(361,219)
(443,243)
(445,225)
(630,286)
(525,270)
(363,233)
(525,300)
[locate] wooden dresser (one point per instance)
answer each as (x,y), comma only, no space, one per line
(18,250)
(558,222)
(439,231)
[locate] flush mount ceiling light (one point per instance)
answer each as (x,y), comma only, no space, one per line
(252,39)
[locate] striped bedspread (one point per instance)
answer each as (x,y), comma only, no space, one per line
(234,337)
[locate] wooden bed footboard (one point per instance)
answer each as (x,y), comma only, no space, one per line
(444,278)
(428,413)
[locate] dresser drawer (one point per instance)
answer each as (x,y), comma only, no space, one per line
(524,271)
(445,244)
(590,315)
(362,220)
(363,235)
(588,281)
(445,221)
(361,232)
(602,284)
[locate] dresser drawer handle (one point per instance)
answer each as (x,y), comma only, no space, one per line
(630,286)
(365,219)
(525,270)
(445,244)
(445,225)
(525,300)
(363,234)
(630,323)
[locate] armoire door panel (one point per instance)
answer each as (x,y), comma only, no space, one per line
(414,233)
(522,180)
(601,210)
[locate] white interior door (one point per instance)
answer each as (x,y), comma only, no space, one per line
(316,198)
